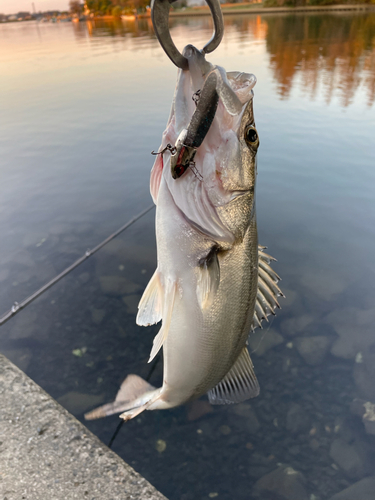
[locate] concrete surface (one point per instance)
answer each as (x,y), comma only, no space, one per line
(45,453)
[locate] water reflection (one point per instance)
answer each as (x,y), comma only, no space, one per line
(336,53)
(136,29)
(333,54)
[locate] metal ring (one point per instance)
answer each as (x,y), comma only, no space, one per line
(160,18)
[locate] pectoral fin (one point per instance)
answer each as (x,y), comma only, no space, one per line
(155,178)
(168,303)
(239,384)
(208,278)
(150,305)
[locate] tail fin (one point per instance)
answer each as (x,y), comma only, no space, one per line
(134,394)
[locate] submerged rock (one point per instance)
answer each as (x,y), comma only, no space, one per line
(313,349)
(24,325)
(297,325)
(262,341)
(131,302)
(258,471)
(198,409)
(117,285)
(284,483)
(250,421)
(369,417)
(364,374)
(363,490)
(353,458)
(357,407)
(20,357)
(365,410)
(324,283)
(355,328)
(297,420)
(119,251)
(84,278)
(77,402)
(97,315)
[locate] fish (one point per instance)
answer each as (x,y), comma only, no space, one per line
(214,283)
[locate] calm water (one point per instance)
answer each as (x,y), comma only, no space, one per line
(81,108)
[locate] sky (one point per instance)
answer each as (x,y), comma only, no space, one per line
(14,6)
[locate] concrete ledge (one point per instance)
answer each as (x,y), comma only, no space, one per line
(46,453)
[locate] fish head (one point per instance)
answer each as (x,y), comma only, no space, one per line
(237,143)
(224,166)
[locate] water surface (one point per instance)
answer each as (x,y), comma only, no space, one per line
(81,108)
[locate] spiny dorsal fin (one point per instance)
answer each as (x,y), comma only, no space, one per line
(168,303)
(239,384)
(208,278)
(150,305)
(268,290)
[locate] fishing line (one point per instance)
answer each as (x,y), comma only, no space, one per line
(269,324)
(17,307)
(118,428)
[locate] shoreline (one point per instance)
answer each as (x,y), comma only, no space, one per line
(275,10)
(205,11)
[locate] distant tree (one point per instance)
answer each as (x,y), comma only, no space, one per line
(108,6)
(116,11)
(138,5)
(75,7)
(22,14)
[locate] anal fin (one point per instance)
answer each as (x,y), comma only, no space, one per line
(238,385)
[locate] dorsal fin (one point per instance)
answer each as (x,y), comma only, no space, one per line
(239,384)
(268,290)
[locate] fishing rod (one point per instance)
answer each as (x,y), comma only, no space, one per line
(17,307)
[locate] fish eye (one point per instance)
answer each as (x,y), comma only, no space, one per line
(251,136)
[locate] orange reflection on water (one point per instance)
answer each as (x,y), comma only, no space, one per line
(335,53)
(329,54)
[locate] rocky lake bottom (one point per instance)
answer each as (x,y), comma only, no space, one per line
(309,435)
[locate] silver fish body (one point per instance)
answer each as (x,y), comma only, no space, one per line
(206,288)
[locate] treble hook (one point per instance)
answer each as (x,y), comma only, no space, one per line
(160,17)
(168,147)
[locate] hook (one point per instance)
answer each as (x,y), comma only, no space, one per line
(160,17)
(168,147)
